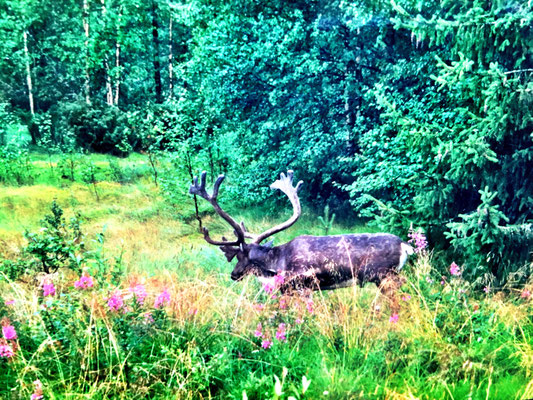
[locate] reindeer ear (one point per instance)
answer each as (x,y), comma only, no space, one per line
(230,252)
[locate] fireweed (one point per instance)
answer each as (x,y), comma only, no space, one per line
(49,289)
(280,313)
(85,282)
(139,291)
(162,300)
(418,239)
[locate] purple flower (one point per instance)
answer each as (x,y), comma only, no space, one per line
(115,302)
(419,240)
(162,299)
(139,291)
(85,282)
(148,318)
(259,330)
(6,351)
(268,287)
(454,269)
(279,279)
(394,318)
(265,344)
(38,392)
(9,332)
(281,334)
(407,297)
(282,304)
(9,302)
(49,289)
(486,289)
(310,306)
(525,294)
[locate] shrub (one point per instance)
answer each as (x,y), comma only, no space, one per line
(57,244)
(15,165)
(97,128)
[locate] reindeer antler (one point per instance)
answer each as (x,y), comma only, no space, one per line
(199,189)
(284,183)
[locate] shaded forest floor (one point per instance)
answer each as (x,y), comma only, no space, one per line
(163,319)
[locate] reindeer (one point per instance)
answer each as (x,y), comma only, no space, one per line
(315,262)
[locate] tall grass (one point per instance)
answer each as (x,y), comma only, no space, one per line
(446,344)
(448,341)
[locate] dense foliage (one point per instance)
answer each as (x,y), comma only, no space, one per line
(95,329)
(404,112)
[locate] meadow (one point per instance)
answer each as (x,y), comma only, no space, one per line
(141,307)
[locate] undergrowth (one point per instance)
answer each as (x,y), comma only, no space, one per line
(148,311)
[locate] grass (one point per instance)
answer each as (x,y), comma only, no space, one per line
(450,341)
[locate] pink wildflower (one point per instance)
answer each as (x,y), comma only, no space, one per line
(454,269)
(85,282)
(162,299)
(310,306)
(419,240)
(193,311)
(115,302)
(148,318)
(9,302)
(525,294)
(407,297)
(265,344)
(299,321)
(279,279)
(282,304)
(394,318)
(139,291)
(259,330)
(6,351)
(49,289)
(268,288)
(429,280)
(38,391)
(9,332)
(281,334)
(486,289)
(259,307)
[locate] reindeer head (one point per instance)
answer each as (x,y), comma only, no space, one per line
(251,257)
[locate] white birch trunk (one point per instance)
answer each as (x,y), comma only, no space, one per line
(28,74)
(86,30)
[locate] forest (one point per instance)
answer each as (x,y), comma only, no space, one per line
(407,117)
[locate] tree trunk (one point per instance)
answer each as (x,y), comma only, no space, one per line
(108,86)
(156,62)
(117,58)
(28,74)
(86,30)
(117,65)
(170,70)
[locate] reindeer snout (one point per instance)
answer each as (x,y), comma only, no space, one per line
(235,277)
